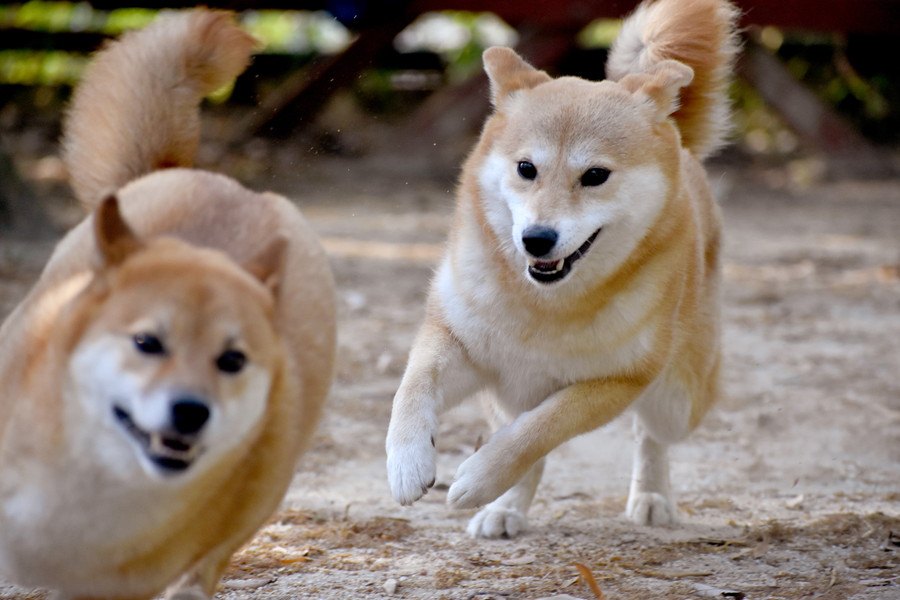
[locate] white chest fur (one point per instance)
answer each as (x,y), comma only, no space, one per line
(526,360)
(64,526)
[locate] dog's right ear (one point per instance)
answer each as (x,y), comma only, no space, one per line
(115,239)
(509,73)
(268,265)
(661,85)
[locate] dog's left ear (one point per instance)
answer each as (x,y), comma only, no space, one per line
(268,264)
(661,84)
(114,237)
(509,73)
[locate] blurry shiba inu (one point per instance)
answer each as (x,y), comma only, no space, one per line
(582,272)
(168,368)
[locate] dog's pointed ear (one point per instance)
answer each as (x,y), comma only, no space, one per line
(268,264)
(114,237)
(661,85)
(509,73)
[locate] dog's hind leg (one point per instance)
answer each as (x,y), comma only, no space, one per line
(506,516)
(662,417)
(650,496)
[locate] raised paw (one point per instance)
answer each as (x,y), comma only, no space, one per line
(411,469)
(475,483)
(650,508)
(497,522)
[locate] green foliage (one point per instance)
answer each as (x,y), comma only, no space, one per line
(858,77)
(69,16)
(859,84)
(600,33)
(123,19)
(296,32)
(285,32)
(24,67)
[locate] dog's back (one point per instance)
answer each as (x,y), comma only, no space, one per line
(135,110)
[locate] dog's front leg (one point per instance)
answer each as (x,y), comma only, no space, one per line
(438,376)
(200,582)
(514,448)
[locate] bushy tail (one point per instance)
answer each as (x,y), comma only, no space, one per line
(136,109)
(699,33)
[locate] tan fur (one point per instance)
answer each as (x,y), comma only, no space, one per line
(149,119)
(696,33)
(213,262)
(633,322)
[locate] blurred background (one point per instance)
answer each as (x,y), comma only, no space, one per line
(362,111)
(818,90)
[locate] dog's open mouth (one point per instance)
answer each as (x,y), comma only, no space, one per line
(170,452)
(552,271)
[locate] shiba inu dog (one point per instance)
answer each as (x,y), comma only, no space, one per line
(161,379)
(582,271)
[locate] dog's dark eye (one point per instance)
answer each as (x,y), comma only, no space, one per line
(527,170)
(149,344)
(231,361)
(595,176)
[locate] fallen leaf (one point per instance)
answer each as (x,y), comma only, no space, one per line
(588,577)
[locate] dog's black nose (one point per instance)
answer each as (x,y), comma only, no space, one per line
(539,240)
(189,415)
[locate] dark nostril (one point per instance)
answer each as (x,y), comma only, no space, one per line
(539,240)
(189,415)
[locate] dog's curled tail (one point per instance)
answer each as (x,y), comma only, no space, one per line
(698,33)
(137,107)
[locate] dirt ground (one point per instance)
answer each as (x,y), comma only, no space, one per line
(789,489)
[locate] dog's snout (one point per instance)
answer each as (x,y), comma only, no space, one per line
(189,415)
(539,240)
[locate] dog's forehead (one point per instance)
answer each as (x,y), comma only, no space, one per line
(204,308)
(572,112)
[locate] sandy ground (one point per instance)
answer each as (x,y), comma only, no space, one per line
(789,489)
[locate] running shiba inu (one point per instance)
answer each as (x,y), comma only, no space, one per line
(160,381)
(582,272)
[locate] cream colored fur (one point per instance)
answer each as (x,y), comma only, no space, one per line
(198,261)
(622,312)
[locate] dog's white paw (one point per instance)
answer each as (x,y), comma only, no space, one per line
(475,484)
(411,469)
(496,522)
(650,508)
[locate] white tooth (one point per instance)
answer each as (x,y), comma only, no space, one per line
(560,264)
(157,447)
